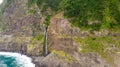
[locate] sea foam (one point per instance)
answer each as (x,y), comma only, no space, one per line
(22,60)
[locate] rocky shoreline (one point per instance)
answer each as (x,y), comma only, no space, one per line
(32,57)
(80,60)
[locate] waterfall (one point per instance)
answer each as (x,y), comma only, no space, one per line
(45,47)
(46,43)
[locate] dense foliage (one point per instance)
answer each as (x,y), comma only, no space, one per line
(90,14)
(106,12)
(44,4)
(47,22)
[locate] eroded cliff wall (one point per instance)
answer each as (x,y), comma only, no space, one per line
(24,32)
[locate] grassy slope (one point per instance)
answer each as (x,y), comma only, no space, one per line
(105,46)
(81,13)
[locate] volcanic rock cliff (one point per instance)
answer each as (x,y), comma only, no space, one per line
(24,32)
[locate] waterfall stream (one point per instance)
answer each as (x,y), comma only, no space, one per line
(45,47)
(46,43)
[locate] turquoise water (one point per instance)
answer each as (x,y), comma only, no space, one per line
(8,59)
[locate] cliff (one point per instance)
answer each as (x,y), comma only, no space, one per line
(23,30)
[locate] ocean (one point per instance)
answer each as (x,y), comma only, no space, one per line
(9,59)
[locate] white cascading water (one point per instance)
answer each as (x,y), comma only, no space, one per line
(20,60)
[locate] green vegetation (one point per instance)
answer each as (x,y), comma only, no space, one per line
(63,55)
(38,38)
(90,14)
(31,3)
(31,11)
(105,46)
(45,4)
(47,20)
(36,45)
(93,14)
(85,11)
(103,14)
(87,15)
